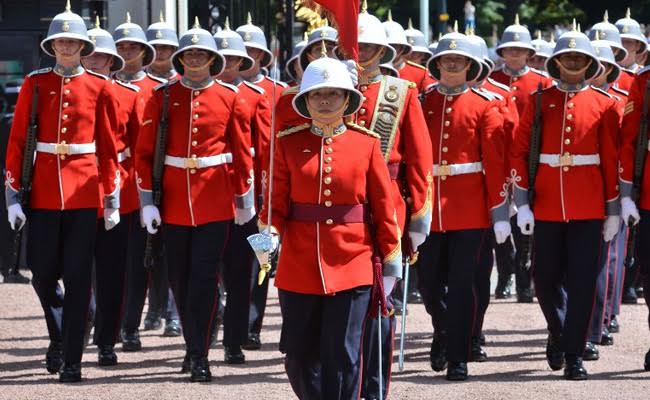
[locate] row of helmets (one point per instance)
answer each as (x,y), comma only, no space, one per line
(70,25)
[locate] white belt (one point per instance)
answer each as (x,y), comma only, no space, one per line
(569,160)
(123,155)
(65,148)
(198,162)
(229,155)
(457,169)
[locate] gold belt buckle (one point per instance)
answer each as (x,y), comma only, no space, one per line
(62,148)
(191,163)
(444,170)
(566,160)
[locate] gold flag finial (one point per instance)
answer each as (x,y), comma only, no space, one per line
(628,13)
(97,25)
(67,6)
(606,16)
(128,17)
(226,25)
(249,19)
(162,16)
(517,19)
(410,23)
(197,25)
(364,6)
(390,15)
(456,26)
(323,49)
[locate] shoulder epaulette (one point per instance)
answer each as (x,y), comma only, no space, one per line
(254,87)
(486,95)
(96,75)
(292,130)
(156,78)
(538,72)
(601,91)
(228,85)
(643,70)
(362,129)
(168,84)
(416,65)
(494,95)
(621,91)
(127,85)
(291,90)
(39,71)
(280,83)
(498,84)
(412,85)
(430,88)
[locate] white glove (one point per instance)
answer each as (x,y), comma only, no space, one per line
(610,227)
(243,215)
(501,231)
(16,217)
(389,284)
(525,220)
(149,215)
(352,70)
(628,209)
(111,218)
(275,242)
(417,239)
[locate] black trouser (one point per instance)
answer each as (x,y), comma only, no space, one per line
(321,337)
(239,262)
(161,301)
(482,283)
(505,258)
(62,245)
(370,369)
(193,255)
(567,262)
(111,257)
(523,276)
(452,258)
(643,242)
(258,296)
(137,277)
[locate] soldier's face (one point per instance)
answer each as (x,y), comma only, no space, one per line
(98,62)
(368,52)
(233,63)
(316,49)
(67,47)
(256,54)
(326,100)
(515,57)
(632,46)
(418,57)
(537,62)
(163,52)
(453,63)
(130,51)
(573,61)
(195,58)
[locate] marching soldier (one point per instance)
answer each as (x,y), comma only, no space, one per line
(332,205)
(575,191)
(164,40)
(111,251)
(71,162)
(239,259)
(543,50)
(199,189)
(408,70)
(132,46)
(420,53)
(466,130)
(634,41)
(391,109)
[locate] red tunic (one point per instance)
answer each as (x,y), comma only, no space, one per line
(344,169)
(583,123)
(466,128)
(202,123)
(522,86)
(285,115)
(626,79)
(72,110)
(268,85)
(417,74)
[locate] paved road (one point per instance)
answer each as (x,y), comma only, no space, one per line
(516,368)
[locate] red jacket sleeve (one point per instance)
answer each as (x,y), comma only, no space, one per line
(494,161)
(105,124)
(281,197)
(144,149)
(17,138)
(240,145)
(518,157)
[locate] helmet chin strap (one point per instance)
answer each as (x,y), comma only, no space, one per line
(379,54)
(456,74)
(572,72)
(195,69)
(79,50)
(335,115)
(136,58)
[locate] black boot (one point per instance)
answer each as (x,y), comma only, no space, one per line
(234,355)
(477,354)
(591,352)
(613,325)
(15,277)
(152,322)
(554,355)
(503,289)
(646,365)
(201,370)
(438,353)
(629,296)
(253,342)
(457,371)
(574,371)
(70,373)
(131,341)
(606,338)
(172,328)
(106,356)
(54,357)
(186,366)
(525,295)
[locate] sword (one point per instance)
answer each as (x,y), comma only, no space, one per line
(404,300)
(381,369)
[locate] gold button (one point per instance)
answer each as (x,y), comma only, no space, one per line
(443,162)
(450,98)
(64,129)
(328,159)
(569,117)
(444,149)
(571,94)
(67,91)
(193,156)
(196,93)
(192,171)
(329,150)
(447,123)
(568,129)
(570,105)
(194,143)
(448,110)
(514,88)
(66,104)
(362,111)
(328,140)
(328,169)
(328,203)
(363,88)
(196,116)
(329,221)
(362,123)
(444,177)
(565,169)
(194,130)
(66,80)
(514,98)
(196,104)
(515,79)
(65,116)
(567,141)
(62,156)
(445,136)
(327,180)
(430,112)
(327,192)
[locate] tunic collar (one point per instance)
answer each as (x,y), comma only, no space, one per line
(190,84)
(514,72)
(167,75)
(327,131)
(448,91)
(68,72)
(572,87)
(370,77)
(128,77)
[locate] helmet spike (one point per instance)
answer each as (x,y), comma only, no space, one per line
(97,25)
(197,25)
(226,24)
(628,13)
(606,16)
(162,16)
(456,26)
(305,36)
(539,35)
(390,15)
(67,6)
(326,22)
(410,23)
(439,36)
(552,41)
(517,19)
(128,17)
(579,28)
(364,6)
(574,26)
(249,19)
(323,49)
